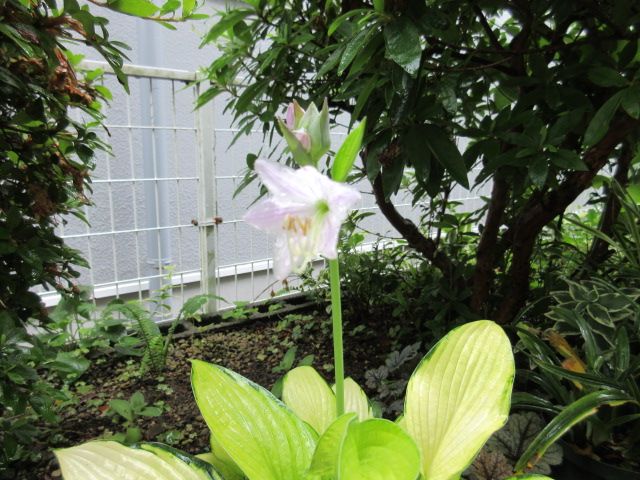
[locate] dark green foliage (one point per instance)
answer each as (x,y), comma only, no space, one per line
(593,346)
(504,448)
(388,286)
(130,412)
(49,133)
(46,156)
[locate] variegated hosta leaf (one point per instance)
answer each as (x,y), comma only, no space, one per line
(221,461)
(310,397)
(107,460)
(265,439)
(355,400)
(459,394)
(371,450)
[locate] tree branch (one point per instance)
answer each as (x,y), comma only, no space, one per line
(410,231)
(487,28)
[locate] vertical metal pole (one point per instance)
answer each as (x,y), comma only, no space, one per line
(207,201)
(153,102)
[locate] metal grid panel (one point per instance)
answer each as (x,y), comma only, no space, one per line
(174,168)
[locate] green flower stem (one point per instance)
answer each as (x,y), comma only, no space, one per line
(336,315)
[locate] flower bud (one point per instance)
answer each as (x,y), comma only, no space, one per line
(306,132)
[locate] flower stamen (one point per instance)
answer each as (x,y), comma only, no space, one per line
(297,225)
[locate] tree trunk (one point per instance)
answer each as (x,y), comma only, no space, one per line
(487,246)
(540,210)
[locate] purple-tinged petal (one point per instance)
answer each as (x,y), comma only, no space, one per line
(269,214)
(283,181)
(329,240)
(290,118)
(304,139)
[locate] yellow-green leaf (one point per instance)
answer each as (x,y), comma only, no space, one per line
(261,435)
(458,396)
(378,449)
(327,454)
(355,400)
(309,396)
(347,153)
(222,462)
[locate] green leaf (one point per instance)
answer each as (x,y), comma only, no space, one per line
(260,434)
(403,45)
(138,8)
(309,396)
(100,460)
(606,77)
(459,394)
(327,453)
(634,193)
(187,7)
(568,159)
(354,46)
(347,153)
(571,415)
(445,152)
(70,364)
(600,122)
(378,5)
(175,458)
(122,408)
(538,171)
(342,18)
(223,462)
(226,22)
(371,449)
(331,62)
(378,448)
(631,101)
(417,149)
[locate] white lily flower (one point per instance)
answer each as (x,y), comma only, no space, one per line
(305,210)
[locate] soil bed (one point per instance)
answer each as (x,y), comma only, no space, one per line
(252,350)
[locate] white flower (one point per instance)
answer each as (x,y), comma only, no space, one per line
(305,210)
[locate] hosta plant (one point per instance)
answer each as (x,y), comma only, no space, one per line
(459,394)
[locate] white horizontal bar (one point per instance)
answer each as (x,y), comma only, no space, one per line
(152,127)
(133,180)
(132,230)
(111,289)
(142,71)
